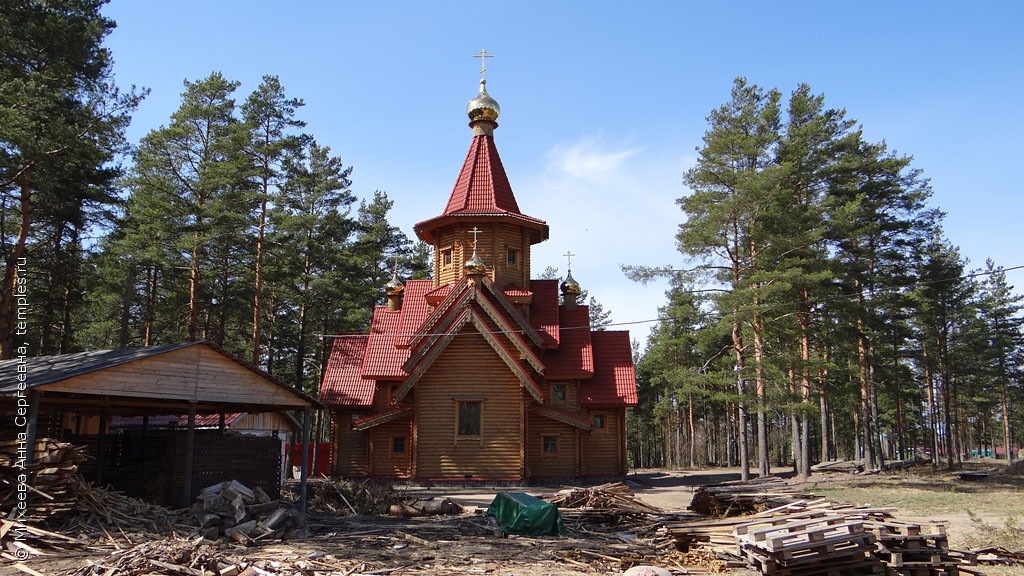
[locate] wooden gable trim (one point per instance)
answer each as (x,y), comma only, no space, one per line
(524,324)
(515,336)
(445,325)
(454,295)
(559,416)
(432,350)
(439,343)
(398,411)
(524,378)
(441,316)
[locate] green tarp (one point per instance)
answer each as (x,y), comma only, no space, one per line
(520,513)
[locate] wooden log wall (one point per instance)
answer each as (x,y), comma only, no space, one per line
(563,463)
(349,446)
(492,247)
(469,370)
(604,449)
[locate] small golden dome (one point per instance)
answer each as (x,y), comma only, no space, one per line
(570,287)
(475,266)
(483,107)
(394,286)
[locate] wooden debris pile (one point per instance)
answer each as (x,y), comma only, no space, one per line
(426,507)
(52,479)
(804,538)
(335,496)
(247,516)
(744,497)
(612,504)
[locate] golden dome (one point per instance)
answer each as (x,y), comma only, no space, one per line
(570,287)
(394,286)
(483,107)
(475,265)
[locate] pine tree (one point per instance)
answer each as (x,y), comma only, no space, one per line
(61,126)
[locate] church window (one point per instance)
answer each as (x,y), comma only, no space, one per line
(558,392)
(550,444)
(446,258)
(512,257)
(398,444)
(469,418)
(599,421)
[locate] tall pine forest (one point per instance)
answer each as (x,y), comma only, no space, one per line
(816,311)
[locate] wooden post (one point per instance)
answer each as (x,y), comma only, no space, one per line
(32,424)
(304,474)
(190,456)
(104,418)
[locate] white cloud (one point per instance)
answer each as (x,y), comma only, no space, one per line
(589,158)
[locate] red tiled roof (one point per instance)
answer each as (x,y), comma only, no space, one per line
(437,295)
(343,383)
(482,186)
(415,308)
(383,358)
(614,382)
(544,310)
(574,357)
(516,292)
(482,189)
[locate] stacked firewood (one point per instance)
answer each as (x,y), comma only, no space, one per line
(49,483)
(232,510)
(744,497)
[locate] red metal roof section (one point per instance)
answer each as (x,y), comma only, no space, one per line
(544,310)
(437,295)
(415,308)
(384,358)
(574,357)
(482,189)
(614,382)
(343,383)
(482,186)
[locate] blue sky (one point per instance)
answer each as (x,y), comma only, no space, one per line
(603,104)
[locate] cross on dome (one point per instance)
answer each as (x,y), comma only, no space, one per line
(483,56)
(474,232)
(568,255)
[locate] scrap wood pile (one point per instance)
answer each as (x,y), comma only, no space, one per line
(232,510)
(57,496)
(612,503)
(335,496)
(744,497)
(195,557)
(823,537)
(51,480)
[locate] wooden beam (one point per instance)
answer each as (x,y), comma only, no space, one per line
(190,456)
(304,474)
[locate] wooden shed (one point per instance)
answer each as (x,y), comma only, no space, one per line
(78,394)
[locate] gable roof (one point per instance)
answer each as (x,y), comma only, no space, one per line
(383,357)
(574,357)
(544,311)
(343,383)
(482,190)
(614,382)
(64,374)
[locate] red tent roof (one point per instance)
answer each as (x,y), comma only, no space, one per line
(482,190)
(343,383)
(614,380)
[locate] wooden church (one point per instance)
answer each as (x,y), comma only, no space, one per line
(480,373)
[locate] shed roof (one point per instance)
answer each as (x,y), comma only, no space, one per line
(111,378)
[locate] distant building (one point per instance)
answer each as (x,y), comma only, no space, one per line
(480,373)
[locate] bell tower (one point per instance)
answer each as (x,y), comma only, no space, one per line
(482,212)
